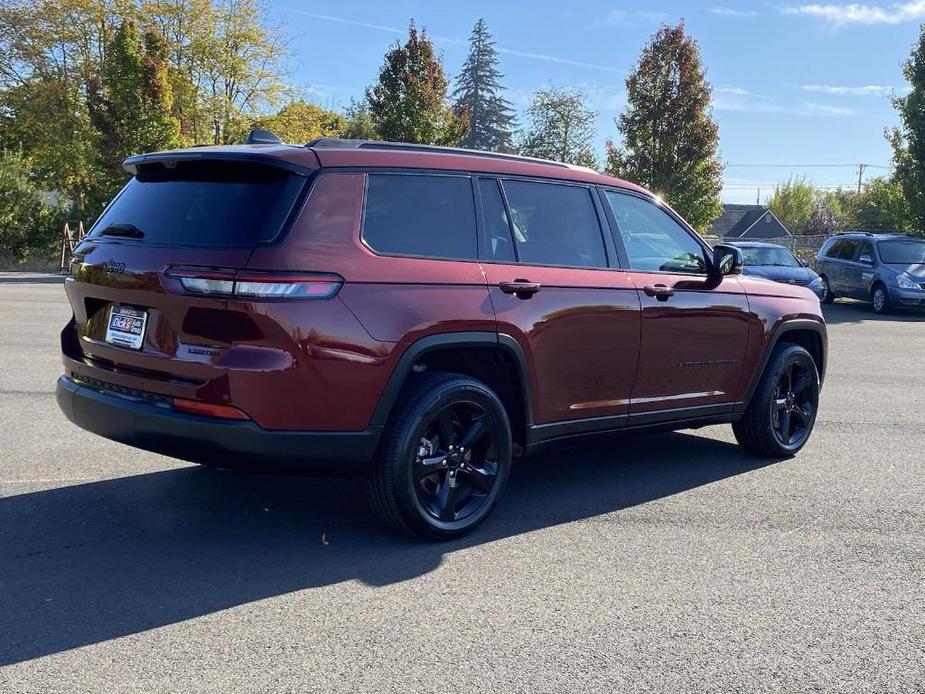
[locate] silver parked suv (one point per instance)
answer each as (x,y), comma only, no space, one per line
(888,270)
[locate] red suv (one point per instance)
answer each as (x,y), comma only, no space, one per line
(419,316)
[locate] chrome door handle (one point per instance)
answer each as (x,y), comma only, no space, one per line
(522,289)
(659,291)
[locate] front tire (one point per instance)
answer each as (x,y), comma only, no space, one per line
(444,460)
(880,299)
(827,296)
(782,411)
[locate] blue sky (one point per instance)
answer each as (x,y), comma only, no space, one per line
(796,82)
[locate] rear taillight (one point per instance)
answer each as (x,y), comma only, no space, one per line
(246,284)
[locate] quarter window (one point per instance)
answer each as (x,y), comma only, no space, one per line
(847,250)
(555,224)
(420,215)
(654,241)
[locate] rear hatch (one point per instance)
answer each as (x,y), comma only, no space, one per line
(146,285)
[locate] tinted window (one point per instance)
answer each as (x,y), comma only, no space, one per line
(847,249)
(654,241)
(902,252)
(555,225)
(430,216)
(497,227)
(205,203)
(834,249)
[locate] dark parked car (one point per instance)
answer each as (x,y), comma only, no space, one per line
(419,317)
(777,264)
(888,270)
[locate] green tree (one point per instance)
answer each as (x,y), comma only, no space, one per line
(669,138)
(792,203)
(29,224)
(360,125)
(408,102)
(479,94)
(300,122)
(135,111)
(908,140)
(882,206)
(561,128)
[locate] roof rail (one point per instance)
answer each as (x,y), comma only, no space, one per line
(342,143)
(865,233)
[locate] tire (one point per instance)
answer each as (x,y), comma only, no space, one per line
(787,397)
(880,299)
(425,482)
(829,297)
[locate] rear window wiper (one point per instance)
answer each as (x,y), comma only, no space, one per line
(129,230)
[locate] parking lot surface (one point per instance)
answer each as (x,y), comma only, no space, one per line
(671,562)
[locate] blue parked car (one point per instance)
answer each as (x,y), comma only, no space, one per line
(778,264)
(888,270)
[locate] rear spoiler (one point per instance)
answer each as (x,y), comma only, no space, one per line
(257,157)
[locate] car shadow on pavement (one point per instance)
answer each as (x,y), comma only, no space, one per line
(92,562)
(31,279)
(860,312)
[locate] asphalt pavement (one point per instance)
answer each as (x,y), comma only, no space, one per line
(666,563)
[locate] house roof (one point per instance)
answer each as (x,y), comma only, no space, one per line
(736,219)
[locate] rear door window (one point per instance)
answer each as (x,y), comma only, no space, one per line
(431,216)
(555,224)
(201,203)
(500,248)
(848,249)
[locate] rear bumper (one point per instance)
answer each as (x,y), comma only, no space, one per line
(213,441)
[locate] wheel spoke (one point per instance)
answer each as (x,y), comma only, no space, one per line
(474,433)
(481,477)
(445,427)
(799,385)
(428,466)
(780,403)
(786,379)
(784,427)
(800,415)
(446,499)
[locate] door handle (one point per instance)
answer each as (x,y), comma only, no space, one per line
(522,289)
(659,291)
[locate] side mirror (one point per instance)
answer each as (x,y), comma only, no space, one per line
(866,259)
(727,260)
(804,263)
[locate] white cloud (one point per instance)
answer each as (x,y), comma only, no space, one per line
(449,39)
(865,90)
(737,91)
(732,12)
(856,13)
(826,110)
(623,17)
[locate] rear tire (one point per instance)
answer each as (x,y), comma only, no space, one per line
(880,299)
(828,297)
(444,459)
(780,417)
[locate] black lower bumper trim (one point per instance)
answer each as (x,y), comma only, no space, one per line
(212,441)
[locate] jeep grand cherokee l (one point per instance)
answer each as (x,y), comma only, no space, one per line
(417,316)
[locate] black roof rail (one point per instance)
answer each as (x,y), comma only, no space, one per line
(863,233)
(343,143)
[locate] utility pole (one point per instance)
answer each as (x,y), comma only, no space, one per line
(861,168)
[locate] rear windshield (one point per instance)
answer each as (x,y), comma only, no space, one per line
(902,252)
(204,203)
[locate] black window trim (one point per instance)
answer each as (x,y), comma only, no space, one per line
(609,251)
(618,236)
(476,209)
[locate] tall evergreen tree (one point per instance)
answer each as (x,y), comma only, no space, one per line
(908,140)
(408,103)
(561,128)
(479,94)
(670,140)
